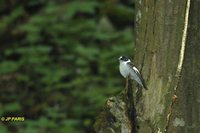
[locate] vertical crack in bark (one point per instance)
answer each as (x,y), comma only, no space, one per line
(154,16)
(183,42)
(180,63)
(143,58)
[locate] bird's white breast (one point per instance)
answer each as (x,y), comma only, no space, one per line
(124,69)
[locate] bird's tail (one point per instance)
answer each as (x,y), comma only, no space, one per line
(144,85)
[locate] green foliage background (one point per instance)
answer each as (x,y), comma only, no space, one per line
(58,61)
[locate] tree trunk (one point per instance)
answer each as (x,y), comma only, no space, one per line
(170,65)
(167,46)
(187,107)
(119,114)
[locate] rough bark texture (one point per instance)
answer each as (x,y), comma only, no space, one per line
(158,43)
(118,115)
(160,26)
(186,117)
(172,102)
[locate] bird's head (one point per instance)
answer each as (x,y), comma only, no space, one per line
(123,58)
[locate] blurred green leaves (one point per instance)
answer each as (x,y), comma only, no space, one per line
(8,67)
(61,64)
(7,21)
(83,7)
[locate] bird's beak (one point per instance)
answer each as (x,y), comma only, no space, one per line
(119,58)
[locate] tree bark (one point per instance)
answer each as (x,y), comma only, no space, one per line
(170,65)
(167,54)
(187,108)
(119,114)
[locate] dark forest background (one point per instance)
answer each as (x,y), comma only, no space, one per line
(59,61)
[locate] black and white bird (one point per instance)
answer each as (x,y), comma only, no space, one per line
(127,68)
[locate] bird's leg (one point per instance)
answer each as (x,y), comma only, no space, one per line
(127,82)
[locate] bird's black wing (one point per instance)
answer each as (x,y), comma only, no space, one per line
(132,66)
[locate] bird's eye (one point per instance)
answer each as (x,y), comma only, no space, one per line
(123,58)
